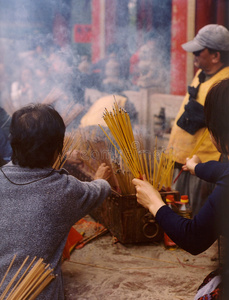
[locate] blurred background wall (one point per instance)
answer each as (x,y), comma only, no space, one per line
(90,26)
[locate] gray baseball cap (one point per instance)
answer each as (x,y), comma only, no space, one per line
(211,36)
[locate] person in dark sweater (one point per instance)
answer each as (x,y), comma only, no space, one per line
(39,204)
(198,234)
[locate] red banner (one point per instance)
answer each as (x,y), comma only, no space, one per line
(178,55)
(82,33)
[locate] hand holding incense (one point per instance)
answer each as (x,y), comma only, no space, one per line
(103,172)
(191,164)
(147,195)
(195,149)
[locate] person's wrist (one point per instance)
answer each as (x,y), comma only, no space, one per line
(153,208)
(193,169)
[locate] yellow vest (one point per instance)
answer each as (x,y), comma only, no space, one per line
(181,141)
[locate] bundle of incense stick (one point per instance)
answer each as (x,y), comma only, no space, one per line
(30,284)
(71,142)
(163,169)
(120,127)
(125,182)
(158,168)
(124,178)
(99,152)
(84,150)
(159,175)
(71,112)
(146,164)
(94,150)
(138,162)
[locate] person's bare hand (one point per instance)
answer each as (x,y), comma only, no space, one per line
(191,164)
(147,195)
(103,172)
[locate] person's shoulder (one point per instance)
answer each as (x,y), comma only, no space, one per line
(226,68)
(223,73)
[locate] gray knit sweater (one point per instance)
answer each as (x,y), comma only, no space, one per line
(37,209)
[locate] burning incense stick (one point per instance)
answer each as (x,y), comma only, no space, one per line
(71,142)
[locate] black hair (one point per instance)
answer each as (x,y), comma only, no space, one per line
(216,110)
(37,134)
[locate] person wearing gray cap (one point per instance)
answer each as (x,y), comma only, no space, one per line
(210,48)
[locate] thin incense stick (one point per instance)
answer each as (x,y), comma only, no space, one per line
(150,168)
(31,283)
(146,166)
(4,277)
(205,134)
(119,124)
(12,280)
(11,292)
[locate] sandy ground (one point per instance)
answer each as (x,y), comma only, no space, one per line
(104,270)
